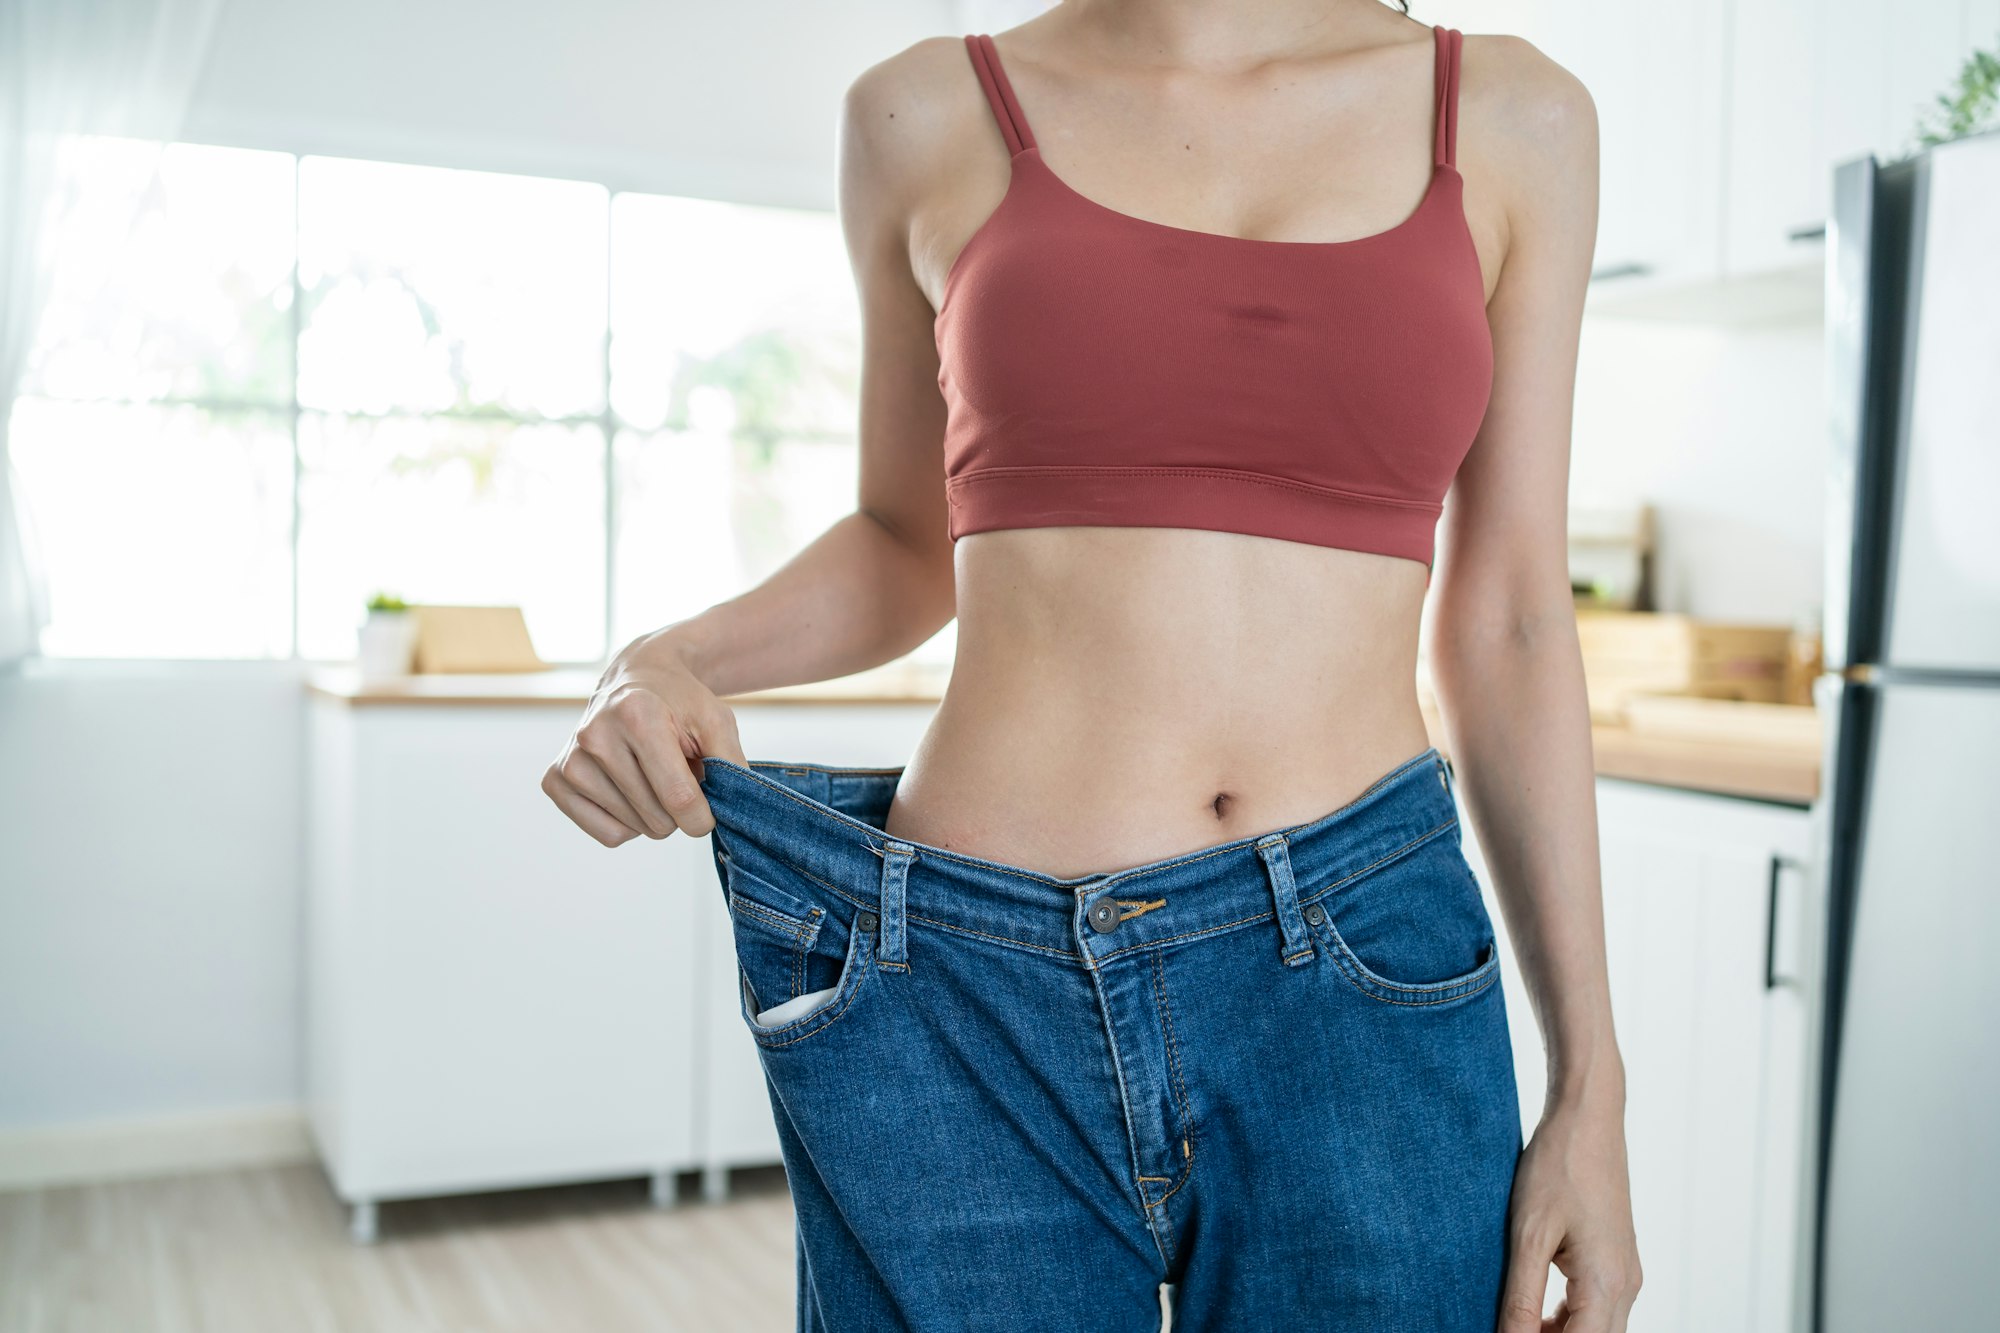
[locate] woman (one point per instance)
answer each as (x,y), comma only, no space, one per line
(1159,963)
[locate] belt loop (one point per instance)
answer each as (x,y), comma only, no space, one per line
(1297,946)
(891,952)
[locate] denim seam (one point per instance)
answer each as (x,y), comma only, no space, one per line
(1057,953)
(1379,862)
(1187,935)
(870,834)
(1463,988)
(835,889)
(1180,1085)
(790,925)
(987,935)
(1124,1101)
(1266,916)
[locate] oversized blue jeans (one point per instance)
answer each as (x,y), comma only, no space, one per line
(1273,1073)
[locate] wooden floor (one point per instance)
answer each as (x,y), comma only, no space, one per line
(266,1251)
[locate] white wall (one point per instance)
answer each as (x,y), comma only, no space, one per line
(1723,430)
(149,889)
(715,100)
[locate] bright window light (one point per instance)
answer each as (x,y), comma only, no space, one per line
(293,382)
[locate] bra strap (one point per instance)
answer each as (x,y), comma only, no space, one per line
(1445,147)
(999,93)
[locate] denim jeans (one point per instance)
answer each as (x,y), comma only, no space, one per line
(1273,1073)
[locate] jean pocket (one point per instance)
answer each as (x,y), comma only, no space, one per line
(803,957)
(1413,930)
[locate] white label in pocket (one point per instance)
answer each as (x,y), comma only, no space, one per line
(790,1009)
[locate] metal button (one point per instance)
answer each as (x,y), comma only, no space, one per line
(865,923)
(1104,916)
(1315,914)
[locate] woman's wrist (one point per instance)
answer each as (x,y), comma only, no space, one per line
(1589,1079)
(676,645)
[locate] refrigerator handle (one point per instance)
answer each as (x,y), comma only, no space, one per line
(1779,861)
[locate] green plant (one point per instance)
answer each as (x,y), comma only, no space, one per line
(387,601)
(1969,107)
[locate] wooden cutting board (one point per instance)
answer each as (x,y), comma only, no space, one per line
(1789,726)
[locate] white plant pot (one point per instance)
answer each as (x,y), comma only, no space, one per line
(387,644)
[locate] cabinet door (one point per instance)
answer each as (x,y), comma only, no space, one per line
(1778,172)
(492,999)
(1714,1085)
(1657,78)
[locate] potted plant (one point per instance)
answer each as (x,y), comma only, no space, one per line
(388,637)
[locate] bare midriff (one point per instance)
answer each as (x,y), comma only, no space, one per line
(1122,695)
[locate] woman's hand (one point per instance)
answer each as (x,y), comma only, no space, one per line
(1572,1206)
(626,770)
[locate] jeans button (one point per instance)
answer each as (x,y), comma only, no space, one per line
(1104,916)
(1315,914)
(865,922)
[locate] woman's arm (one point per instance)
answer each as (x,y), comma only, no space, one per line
(874,585)
(1509,679)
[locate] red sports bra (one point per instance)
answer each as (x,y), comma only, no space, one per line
(1099,368)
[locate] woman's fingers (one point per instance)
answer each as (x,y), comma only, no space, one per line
(658,765)
(585,773)
(1602,1290)
(633,765)
(1532,1237)
(1593,1303)
(1527,1286)
(585,813)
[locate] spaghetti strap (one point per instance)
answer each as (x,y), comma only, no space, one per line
(1445,138)
(999,93)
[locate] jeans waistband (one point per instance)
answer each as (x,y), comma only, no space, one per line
(825,822)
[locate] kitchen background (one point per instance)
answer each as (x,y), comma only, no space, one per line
(349,340)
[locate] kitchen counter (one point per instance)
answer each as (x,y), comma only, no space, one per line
(897,683)
(1725,768)
(1748,769)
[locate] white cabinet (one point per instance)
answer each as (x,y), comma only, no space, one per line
(1777,147)
(494,999)
(1656,75)
(1715,1050)
(1719,125)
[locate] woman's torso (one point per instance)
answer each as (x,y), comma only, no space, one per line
(1125,694)
(1122,694)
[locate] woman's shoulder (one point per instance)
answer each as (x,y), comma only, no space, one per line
(1511,91)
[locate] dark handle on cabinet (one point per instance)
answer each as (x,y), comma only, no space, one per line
(1620,271)
(1771,980)
(1812,233)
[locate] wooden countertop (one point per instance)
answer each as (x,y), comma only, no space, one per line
(1724,768)
(1759,771)
(897,683)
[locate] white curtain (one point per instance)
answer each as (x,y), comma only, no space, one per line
(66,67)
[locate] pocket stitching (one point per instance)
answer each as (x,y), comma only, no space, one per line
(1363,978)
(799,928)
(1462,987)
(861,959)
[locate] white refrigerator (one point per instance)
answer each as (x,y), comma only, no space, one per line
(1906,1233)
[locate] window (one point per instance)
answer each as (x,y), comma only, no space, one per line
(307,379)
